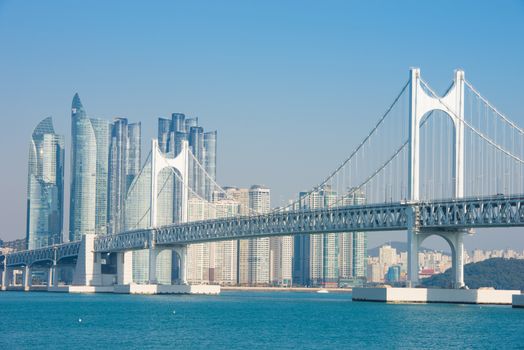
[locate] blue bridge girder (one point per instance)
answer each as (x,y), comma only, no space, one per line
(446,215)
(47,254)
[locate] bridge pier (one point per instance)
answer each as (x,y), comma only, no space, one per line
(26,278)
(4,279)
(124,267)
(413,246)
(182,254)
(153,254)
(88,270)
(4,274)
(11,278)
(52,276)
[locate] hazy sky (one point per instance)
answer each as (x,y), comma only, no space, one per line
(291,86)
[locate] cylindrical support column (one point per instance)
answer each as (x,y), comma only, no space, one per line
(413,242)
(52,277)
(4,278)
(50,274)
(153,252)
(458,262)
(27,277)
(9,278)
(182,254)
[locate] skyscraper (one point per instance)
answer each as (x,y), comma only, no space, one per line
(124,165)
(258,248)
(82,216)
(209,162)
(359,240)
(89,173)
(325,259)
(164,130)
(102,130)
(241,196)
(45,186)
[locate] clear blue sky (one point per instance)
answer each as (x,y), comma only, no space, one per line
(291,86)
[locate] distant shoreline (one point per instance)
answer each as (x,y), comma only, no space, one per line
(285,289)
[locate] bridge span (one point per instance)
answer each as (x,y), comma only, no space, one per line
(431,165)
(429,218)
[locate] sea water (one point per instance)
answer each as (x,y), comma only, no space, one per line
(249,320)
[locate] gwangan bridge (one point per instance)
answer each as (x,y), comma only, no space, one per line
(432,165)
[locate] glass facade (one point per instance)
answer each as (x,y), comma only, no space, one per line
(164,129)
(82,217)
(45,187)
(210,162)
(124,165)
(90,141)
(102,130)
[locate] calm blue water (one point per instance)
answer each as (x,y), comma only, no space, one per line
(244,320)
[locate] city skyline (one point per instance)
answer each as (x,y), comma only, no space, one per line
(169,143)
(228,110)
(256,174)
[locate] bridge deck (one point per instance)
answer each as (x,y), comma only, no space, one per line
(493,211)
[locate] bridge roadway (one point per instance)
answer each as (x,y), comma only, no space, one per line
(443,215)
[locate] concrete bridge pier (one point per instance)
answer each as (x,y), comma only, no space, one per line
(455,240)
(153,254)
(88,270)
(52,277)
(10,278)
(181,251)
(4,275)
(26,278)
(124,267)
(4,279)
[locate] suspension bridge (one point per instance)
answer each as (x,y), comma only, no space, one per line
(433,164)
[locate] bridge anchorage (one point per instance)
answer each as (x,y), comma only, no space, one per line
(431,165)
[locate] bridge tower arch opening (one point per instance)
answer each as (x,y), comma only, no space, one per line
(456,245)
(437,156)
(421,103)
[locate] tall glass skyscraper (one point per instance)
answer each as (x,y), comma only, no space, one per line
(164,130)
(124,165)
(89,173)
(45,186)
(102,129)
(82,216)
(210,161)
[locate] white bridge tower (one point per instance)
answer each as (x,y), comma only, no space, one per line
(181,165)
(420,103)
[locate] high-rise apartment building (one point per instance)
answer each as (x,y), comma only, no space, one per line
(124,165)
(241,196)
(326,259)
(258,265)
(353,245)
(45,186)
